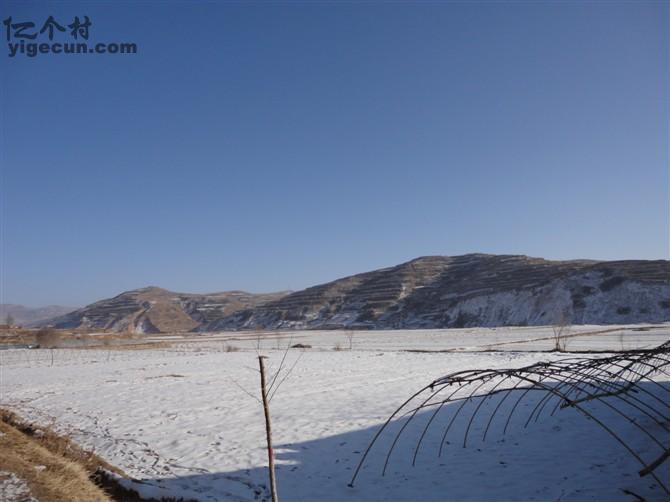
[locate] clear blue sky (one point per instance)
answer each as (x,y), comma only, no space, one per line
(271,146)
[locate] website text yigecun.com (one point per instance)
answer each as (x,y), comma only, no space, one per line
(32,49)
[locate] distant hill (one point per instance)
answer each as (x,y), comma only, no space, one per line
(26,315)
(428,292)
(156,310)
(473,290)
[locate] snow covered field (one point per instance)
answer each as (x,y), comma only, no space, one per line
(178,418)
(14,488)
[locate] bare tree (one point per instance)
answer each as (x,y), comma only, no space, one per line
(259,336)
(267,393)
(349,333)
(47,338)
(268,431)
(561,329)
(9,320)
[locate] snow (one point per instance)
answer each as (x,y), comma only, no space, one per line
(179,420)
(14,488)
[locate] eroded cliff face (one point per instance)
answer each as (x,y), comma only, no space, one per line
(429,292)
(473,290)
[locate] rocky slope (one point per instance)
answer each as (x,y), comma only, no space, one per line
(472,290)
(429,292)
(155,310)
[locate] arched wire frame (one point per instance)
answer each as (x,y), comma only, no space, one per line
(623,386)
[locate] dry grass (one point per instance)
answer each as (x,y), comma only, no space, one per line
(69,473)
(12,335)
(49,338)
(129,346)
(75,338)
(59,479)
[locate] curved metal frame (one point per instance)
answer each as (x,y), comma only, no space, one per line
(613,381)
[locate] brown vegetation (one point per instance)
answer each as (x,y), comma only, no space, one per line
(56,468)
(66,468)
(48,338)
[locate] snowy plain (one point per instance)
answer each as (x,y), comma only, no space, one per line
(179,419)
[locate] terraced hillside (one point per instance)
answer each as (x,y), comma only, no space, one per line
(472,290)
(155,310)
(428,292)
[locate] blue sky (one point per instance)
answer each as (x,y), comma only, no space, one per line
(270,146)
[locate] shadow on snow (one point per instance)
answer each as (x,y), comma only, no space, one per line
(561,457)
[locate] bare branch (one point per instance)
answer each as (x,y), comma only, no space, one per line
(244,390)
(286,375)
(281,365)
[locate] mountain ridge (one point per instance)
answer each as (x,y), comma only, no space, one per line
(154,310)
(22,314)
(427,292)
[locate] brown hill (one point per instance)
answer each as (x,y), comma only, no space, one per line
(472,290)
(153,310)
(428,292)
